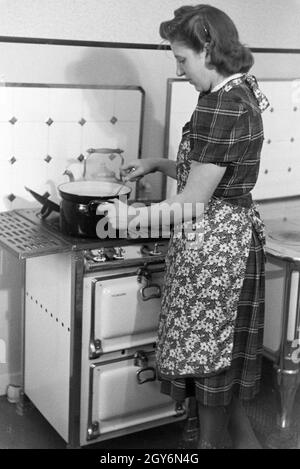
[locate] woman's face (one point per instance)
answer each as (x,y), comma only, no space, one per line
(192,65)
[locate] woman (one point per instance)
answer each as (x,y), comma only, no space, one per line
(211,325)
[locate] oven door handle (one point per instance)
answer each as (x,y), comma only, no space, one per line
(150,291)
(142,380)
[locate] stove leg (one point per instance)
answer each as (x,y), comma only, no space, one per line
(285,436)
(287,383)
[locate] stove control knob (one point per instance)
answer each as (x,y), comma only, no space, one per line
(155,251)
(119,253)
(100,255)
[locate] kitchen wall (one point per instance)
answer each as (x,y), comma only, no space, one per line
(133,21)
(262,23)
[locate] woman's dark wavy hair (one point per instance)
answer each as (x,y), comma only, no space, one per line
(198,25)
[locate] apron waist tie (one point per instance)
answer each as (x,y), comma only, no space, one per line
(244,200)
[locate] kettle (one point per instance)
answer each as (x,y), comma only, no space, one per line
(101,171)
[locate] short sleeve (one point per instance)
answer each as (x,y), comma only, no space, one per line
(219,131)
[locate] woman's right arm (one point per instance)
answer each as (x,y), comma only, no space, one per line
(168,167)
(136,169)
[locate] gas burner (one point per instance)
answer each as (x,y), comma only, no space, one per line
(119,253)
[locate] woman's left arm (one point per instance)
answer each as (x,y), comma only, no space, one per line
(202,181)
(190,203)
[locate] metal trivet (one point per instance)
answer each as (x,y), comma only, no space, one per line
(25,239)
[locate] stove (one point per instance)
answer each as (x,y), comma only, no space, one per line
(76,282)
(90,318)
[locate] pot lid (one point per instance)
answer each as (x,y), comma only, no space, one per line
(94,188)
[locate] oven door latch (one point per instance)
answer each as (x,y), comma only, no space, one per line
(146,373)
(148,289)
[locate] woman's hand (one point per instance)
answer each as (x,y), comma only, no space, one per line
(136,169)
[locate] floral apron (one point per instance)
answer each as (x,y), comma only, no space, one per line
(205,269)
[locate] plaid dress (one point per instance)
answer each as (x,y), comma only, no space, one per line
(210,334)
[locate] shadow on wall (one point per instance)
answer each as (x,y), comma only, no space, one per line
(124,67)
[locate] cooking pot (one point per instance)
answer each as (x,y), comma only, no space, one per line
(80,199)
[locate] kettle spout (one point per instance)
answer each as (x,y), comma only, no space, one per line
(69,174)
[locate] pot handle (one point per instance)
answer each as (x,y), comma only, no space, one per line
(92,203)
(87,208)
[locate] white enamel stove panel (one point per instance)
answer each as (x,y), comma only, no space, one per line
(126,394)
(124,311)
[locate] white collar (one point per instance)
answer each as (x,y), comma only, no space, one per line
(220,85)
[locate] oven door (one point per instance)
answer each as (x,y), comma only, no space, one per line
(125,311)
(125,393)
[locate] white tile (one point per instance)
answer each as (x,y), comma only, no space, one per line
(5,185)
(295,123)
(21,202)
(65,104)
(128,105)
(127,138)
(98,135)
(55,175)
(30,140)
(295,92)
(6,141)
(30,104)
(277,124)
(65,140)
(98,105)
(277,92)
(278,149)
(30,173)
(274,160)
(6,103)
(294,157)
(275,184)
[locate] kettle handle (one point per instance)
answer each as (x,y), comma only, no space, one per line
(105,150)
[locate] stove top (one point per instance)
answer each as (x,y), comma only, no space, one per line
(24,233)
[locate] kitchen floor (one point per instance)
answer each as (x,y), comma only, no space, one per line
(32,431)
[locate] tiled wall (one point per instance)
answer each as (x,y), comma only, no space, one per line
(46,129)
(279,174)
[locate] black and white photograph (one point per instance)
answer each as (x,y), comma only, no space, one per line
(149,227)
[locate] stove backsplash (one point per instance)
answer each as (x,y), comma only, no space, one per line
(48,128)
